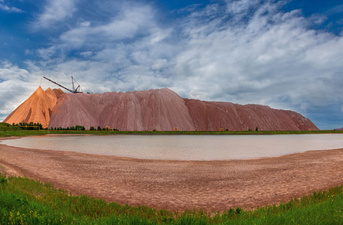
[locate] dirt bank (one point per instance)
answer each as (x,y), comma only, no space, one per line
(180,185)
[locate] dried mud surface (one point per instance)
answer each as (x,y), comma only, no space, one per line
(180,185)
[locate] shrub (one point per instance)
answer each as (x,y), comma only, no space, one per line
(3,180)
(238,211)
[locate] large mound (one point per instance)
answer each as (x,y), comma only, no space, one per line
(37,108)
(216,115)
(160,109)
(163,109)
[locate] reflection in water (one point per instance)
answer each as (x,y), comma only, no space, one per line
(184,147)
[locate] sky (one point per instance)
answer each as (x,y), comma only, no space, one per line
(284,54)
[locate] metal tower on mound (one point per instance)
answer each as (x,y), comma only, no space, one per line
(73,90)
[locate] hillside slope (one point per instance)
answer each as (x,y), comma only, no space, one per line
(37,108)
(216,115)
(163,109)
(160,109)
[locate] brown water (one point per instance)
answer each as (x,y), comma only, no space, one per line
(184,147)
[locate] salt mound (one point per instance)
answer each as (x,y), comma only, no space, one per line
(217,115)
(164,110)
(37,108)
(160,109)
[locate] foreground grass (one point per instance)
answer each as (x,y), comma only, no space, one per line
(24,201)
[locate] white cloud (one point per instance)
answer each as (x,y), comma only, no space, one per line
(130,21)
(247,52)
(9,71)
(9,9)
(55,11)
(47,53)
(15,86)
(85,24)
(268,57)
(241,7)
(160,64)
(137,64)
(86,54)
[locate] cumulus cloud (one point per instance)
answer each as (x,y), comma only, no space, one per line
(256,59)
(130,22)
(54,11)
(15,87)
(130,51)
(268,57)
(244,52)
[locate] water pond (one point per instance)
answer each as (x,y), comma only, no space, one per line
(184,147)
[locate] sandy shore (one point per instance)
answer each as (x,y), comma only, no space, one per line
(180,185)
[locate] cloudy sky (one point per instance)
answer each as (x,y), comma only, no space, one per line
(285,54)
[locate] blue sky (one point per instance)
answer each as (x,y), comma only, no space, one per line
(285,54)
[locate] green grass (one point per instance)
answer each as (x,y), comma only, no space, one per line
(25,201)
(7,130)
(8,127)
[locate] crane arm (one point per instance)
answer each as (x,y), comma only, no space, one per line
(58,84)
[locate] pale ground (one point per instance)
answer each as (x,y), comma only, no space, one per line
(180,185)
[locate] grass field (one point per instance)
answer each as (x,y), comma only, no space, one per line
(25,201)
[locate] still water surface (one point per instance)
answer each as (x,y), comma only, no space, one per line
(184,147)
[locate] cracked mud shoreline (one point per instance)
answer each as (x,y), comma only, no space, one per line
(180,185)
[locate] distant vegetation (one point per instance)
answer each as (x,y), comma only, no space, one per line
(7,130)
(8,127)
(77,127)
(28,126)
(25,201)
